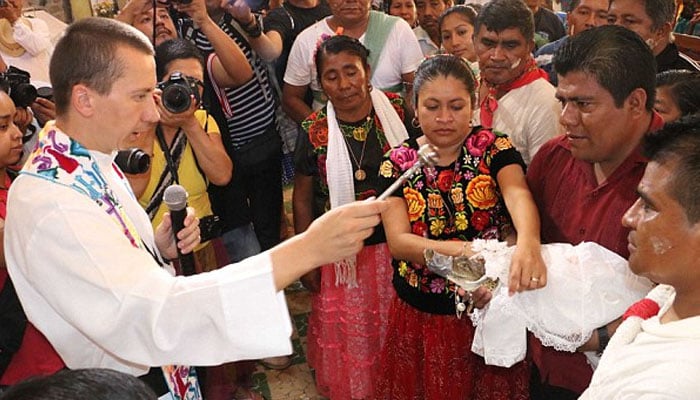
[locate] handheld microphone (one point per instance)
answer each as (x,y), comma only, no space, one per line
(175,197)
(427,156)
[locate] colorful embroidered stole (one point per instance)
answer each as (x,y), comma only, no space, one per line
(489,105)
(61,160)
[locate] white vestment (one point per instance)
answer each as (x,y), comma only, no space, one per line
(102,302)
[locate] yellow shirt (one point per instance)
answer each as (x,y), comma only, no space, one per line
(190,177)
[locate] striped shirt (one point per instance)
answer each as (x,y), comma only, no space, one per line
(253,103)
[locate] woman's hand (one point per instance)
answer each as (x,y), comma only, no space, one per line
(479,297)
(185,120)
(527,269)
(239,10)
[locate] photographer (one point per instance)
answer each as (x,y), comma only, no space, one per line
(24,43)
(28,104)
(185,147)
(227,65)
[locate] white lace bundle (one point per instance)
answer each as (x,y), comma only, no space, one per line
(587,287)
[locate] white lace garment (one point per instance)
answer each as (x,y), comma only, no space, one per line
(587,287)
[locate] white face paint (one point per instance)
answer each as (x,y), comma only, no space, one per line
(660,245)
(515,64)
(651,43)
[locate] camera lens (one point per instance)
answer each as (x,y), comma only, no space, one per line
(45,92)
(23,94)
(133,160)
(176,98)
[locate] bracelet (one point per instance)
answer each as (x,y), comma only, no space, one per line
(253,28)
(603,338)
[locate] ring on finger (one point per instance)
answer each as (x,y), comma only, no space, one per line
(536,280)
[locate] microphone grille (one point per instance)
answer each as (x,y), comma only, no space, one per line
(175,197)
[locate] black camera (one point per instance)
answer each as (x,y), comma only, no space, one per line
(178,91)
(18,87)
(45,92)
(133,161)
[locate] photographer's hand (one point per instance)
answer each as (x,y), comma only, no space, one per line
(11,11)
(208,148)
(132,9)
(185,120)
(230,67)
(44,110)
(239,10)
(197,10)
(268,44)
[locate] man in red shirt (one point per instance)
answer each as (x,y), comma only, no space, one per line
(584,181)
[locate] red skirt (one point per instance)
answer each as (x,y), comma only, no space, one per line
(347,327)
(429,357)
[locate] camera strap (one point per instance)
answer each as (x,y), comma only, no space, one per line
(172,155)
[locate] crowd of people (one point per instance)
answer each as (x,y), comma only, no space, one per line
(498,120)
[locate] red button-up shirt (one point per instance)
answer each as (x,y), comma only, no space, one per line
(575,208)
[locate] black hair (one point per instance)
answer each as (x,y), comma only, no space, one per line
(444,65)
(339,44)
(81,384)
(684,88)
(679,142)
(175,49)
(660,11)
(387,5)
(499,15)
(467,11)
(616,57)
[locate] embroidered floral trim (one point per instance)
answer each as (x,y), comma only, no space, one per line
(457,202)
(316,126)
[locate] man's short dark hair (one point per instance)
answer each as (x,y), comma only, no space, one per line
(499,15)
(81,384)
(616,57)
(87,54)
(660,11)
(679,143)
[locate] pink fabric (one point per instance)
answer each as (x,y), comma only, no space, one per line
(429,357)
(347,327)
